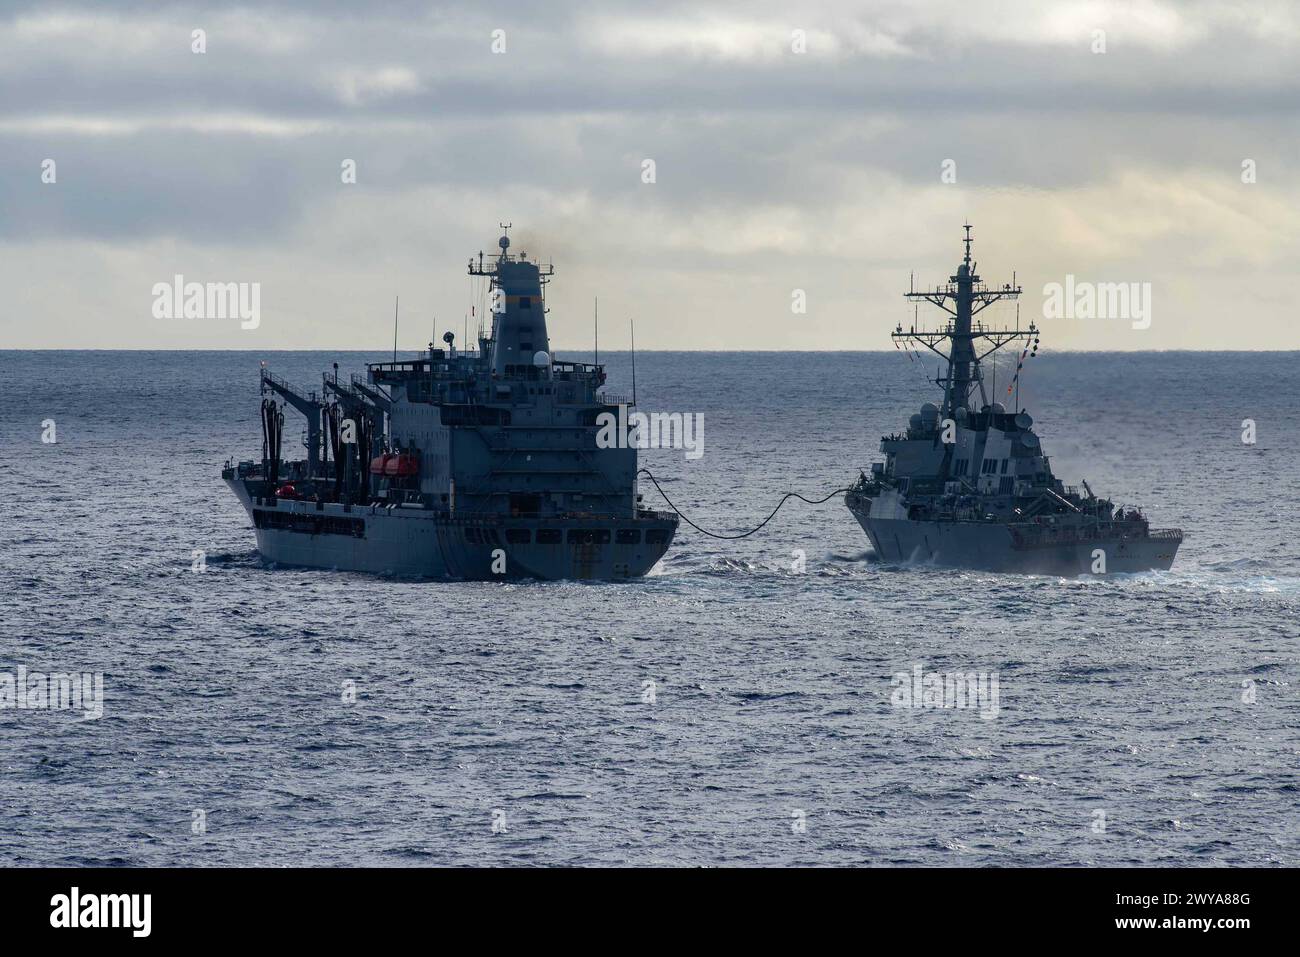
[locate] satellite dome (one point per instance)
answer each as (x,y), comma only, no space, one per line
(929,408)
(504,243)
(1024,420)
(915,423)
(999,408)
(541,359)
(960,414)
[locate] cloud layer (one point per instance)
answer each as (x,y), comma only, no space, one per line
(775,169)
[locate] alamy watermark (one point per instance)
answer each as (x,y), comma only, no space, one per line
(653,430)
(130,911)
(1098,300)
(973,690)
(179,299)
(61,691)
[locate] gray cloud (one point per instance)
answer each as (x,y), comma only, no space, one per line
(775,170)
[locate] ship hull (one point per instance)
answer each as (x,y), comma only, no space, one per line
(412,542)
(993,548)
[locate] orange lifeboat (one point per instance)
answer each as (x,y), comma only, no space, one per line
(395,465)
(401,465)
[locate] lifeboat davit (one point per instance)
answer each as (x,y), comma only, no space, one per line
(395,465)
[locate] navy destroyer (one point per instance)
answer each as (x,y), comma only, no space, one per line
(970,486)
(460,464)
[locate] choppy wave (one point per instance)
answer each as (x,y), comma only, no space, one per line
(687,718)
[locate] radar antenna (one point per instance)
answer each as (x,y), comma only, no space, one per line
(963,298)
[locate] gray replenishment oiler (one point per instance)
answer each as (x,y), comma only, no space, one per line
(971,487)
(458,464)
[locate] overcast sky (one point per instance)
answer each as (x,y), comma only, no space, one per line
(775,170)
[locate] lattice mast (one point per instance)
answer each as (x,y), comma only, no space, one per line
(964,297)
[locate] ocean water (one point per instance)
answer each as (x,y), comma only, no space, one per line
(725,710)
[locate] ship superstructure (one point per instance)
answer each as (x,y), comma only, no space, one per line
(968,483)
(478,464)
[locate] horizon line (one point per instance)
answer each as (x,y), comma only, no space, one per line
(326,349)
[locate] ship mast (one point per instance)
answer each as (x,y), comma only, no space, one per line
(518,286)
(963,298)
